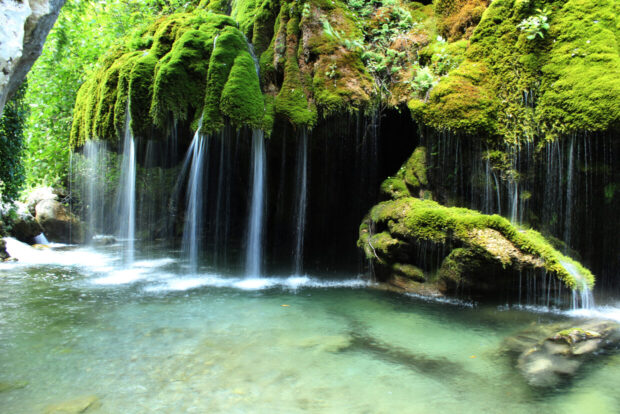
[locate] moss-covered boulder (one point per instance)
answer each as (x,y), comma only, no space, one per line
(547,355)
(457,248)
(417,244)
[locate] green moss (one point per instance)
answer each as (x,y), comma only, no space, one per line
(581,75)
(292,102)
(140,94)
(394,187)
(462,101)
(104,119)
(181,77)
(518,89)
(244,12)
(414,169)
(229,44)
(414,220)
(409,271)
(264,25)
(122,93)
(242,100)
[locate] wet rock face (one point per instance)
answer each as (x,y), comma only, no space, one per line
(24,26)
(58,224)
(551,354)
(3,253)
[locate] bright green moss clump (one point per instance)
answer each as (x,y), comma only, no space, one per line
(516,88)
(171,71)
(411,220)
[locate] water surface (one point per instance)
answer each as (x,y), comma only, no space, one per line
(150,338)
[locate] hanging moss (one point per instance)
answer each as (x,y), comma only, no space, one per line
(180,80)
(292,102)
(517,88)
(230,43)
(122,93)
(141,93)
(242,100)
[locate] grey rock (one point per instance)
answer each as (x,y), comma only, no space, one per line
(24,26)
(58,223)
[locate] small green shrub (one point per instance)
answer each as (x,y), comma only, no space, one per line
(535,25)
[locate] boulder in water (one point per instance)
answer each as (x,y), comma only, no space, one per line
(24,227)
(3,253)
(417,244)
(546,355)
(103,240)
(58,223)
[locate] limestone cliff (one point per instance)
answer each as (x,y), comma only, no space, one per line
(24,26)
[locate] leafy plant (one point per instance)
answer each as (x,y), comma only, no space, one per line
(84,30)
(535,25)
(424,80)
(11,137)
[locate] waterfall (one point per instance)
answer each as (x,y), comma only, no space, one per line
(582,297)
(568,216)
(223,200)
(93,185)
(302,190)
(192,230)
(255,222)
(126,199)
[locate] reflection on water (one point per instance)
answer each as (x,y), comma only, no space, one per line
(153,339)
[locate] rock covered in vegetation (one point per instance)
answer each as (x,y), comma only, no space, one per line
(414,242)
(3,253)
(532,68)
(24,227)
(58,223)
(507,69)
(24,26)
(546,355)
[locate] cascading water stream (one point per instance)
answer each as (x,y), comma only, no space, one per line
(192,230)
(582,297)
(127,193)
(93,185)
(302,191)
(255,222)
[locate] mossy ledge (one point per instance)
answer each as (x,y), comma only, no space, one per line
(512,88)
(318,58)
(418,244)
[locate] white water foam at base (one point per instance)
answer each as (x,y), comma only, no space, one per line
(213,280)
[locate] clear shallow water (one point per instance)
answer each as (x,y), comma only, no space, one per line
(151,339)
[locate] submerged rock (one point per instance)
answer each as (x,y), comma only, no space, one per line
(59,224)
(546,355)
(79,405)
(103,240)
(10,386)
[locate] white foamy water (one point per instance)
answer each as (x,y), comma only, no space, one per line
(288,283)
(28,255)
(600,312)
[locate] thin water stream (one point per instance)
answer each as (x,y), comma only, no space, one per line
(152,338)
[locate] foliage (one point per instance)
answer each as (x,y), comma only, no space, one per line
(535,25)
(570,74)
(83,31)
(11,137)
